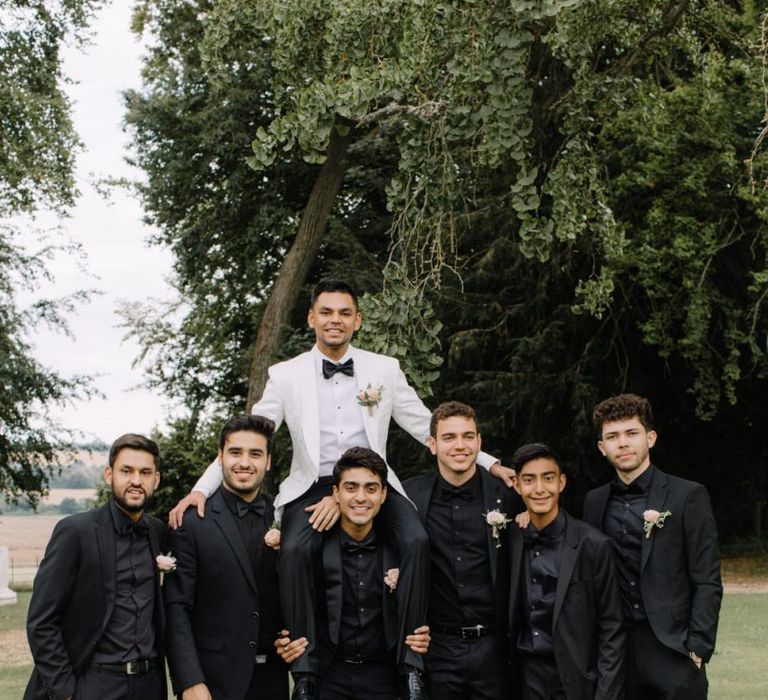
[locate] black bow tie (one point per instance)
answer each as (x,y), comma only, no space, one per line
(451,492)
(330,368)
(354,547)
(532,536)
(619,488)
(255,506)
(140,529)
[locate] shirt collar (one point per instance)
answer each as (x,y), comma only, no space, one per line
(122,523)
(640,485)
(319,357)
(231,499)
(469,489)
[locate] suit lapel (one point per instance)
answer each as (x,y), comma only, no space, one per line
(491,501)
(423,495)
(225,521)
(389,605)
(568,557)
(104,531)
(159,610)
(333,582)
(309,409)
(657,497)
(516,566)
(601,502)
(364,376)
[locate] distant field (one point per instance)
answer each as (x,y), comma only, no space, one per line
(27,537)
(56,496)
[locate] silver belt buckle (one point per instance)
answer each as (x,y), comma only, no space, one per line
(134,667)
(260,659)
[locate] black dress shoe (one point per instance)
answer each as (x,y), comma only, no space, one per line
(414,685)
(303,686)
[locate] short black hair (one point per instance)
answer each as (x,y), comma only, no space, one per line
(534,450)
(134,441)
(356,457)
(250,422)
(622,407)
(331,285)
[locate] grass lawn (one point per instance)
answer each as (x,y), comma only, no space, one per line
(737,671)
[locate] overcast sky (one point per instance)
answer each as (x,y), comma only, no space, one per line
(120,263)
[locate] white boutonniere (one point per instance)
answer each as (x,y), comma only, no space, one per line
(498,521)
(652,518)
(370,397)
(166,564)
(390,579)
(272,536)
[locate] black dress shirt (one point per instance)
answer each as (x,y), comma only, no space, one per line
(130,632)
(461,588)
(541,564)
(251,520)
(361,631)
(623,523)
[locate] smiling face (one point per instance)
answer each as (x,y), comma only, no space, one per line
(133,479)
(456,444)
(360,495)
(540,483)
(334,318)
(626,444)
(244,463)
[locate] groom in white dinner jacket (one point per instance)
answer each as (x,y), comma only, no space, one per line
(332,398)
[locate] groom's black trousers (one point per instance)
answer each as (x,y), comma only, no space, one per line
(300,553)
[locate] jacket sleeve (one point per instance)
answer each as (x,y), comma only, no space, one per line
(413,416)
(51,595)
(270,406)
(611,635)
(703,558)
(179,596)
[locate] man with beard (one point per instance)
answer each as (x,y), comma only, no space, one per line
(665,536)
(222,602)
(95,622)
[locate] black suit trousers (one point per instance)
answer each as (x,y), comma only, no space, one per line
(465,669)
(96,683)
(398,523)
(656,671)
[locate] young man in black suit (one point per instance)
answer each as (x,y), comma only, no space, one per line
(565,607)
(95,621)
(358,572)
(664,533)
(469,562)
(222,603)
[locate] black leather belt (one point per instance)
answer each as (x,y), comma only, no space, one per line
(130,668)
(359,659)
(473,632)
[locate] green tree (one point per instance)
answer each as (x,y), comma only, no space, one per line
(567,192)
(36,159)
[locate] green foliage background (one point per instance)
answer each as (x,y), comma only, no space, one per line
(549,196)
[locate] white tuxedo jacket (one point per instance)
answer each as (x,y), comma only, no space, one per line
(291,396)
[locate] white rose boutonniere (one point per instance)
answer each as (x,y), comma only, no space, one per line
(370,397)
(390,579)
(497,521)
(652,518)
(166,564)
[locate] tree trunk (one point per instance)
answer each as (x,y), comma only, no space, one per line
(295,268)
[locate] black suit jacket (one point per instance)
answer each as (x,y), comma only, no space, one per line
(212,604)
(680,563)
(73,599)
(330,575)
(495,496)
(587,626)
